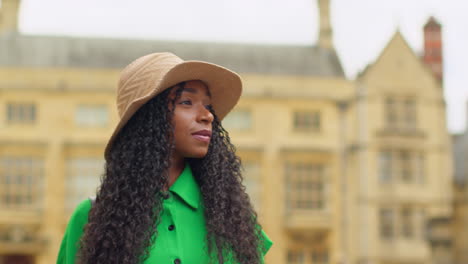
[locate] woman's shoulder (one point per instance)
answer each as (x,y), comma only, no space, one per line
(79,217)
(73,232)
(83,207)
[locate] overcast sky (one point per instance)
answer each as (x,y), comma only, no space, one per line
(361,27)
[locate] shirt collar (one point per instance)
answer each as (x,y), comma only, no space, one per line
(186,187)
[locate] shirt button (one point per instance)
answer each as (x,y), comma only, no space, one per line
(171,227)
(177,261)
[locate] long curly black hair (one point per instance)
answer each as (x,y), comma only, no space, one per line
(128,204)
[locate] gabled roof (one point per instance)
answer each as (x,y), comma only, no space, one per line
(397,38)
(53,51)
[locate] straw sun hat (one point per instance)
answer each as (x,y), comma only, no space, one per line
(149,75)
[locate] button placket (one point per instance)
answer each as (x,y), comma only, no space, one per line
(173,228)
(171,244)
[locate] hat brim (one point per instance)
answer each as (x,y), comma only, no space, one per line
(225,87)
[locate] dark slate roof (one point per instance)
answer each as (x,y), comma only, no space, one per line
(55,51)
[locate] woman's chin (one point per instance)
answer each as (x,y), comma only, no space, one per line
(198,154)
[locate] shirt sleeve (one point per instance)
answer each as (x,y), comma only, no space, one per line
(73,233)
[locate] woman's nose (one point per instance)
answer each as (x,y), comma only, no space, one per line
(205,115)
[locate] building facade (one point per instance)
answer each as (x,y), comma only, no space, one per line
(402,159)
(339,171)
(460,215)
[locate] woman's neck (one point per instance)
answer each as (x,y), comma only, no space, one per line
(177,166)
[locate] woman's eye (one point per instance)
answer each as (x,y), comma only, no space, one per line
(209,107)
(186,102)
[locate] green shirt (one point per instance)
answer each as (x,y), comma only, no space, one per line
(181,231)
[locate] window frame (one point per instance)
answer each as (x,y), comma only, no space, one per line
(81,119)
(395,168)
(400,112)
(229,123)
(253,182)
(307,120)
(22,182)
(24,113)
(306,186)
(407,219)
(387,223)
(84,168)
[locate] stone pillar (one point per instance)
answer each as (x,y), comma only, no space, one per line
(54,198)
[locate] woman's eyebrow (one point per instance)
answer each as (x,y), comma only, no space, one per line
(191,90)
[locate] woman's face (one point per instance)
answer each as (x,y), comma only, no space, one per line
(192,120)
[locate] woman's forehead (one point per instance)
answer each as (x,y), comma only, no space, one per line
(196,87)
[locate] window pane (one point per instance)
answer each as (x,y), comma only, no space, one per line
(238,120)
(386,223)
(319,257)
(305,186)
(421,221)
(21,182)
(401,113)
(10,112)
(295,257)
(32,112)
(83,179)
(407,222)
(92,115)
(390,111)
(410,113)
(307,120)
(252,182)
(21,113)
(401,166)
(419,168)
(385,166)
(405,166)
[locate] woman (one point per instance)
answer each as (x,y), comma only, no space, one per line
(171,191)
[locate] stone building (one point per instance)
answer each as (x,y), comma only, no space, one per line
(401,163)
(340,171)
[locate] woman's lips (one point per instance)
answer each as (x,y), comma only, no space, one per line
(202,135)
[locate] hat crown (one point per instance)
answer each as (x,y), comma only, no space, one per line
(141,77)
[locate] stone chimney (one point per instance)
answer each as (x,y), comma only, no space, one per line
(325,39)
(9,16)
(433,47)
